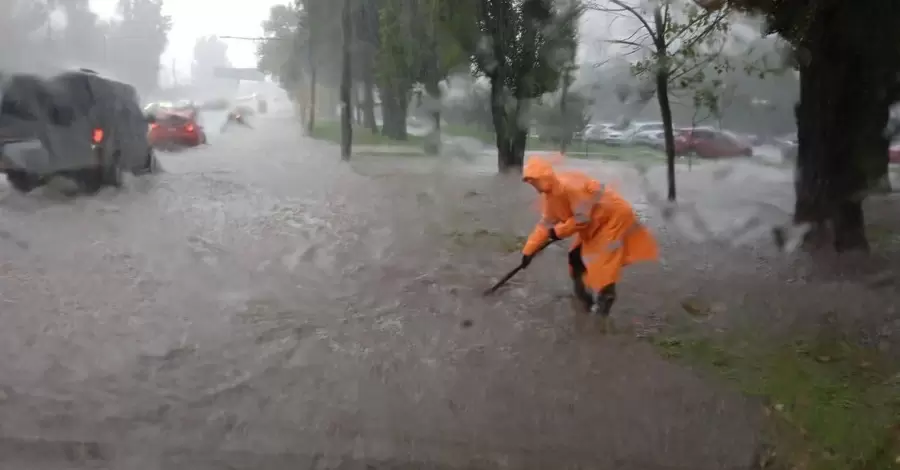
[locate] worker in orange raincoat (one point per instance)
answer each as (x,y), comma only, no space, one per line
(607,234)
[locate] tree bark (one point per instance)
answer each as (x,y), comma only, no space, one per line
(842,114)
(433,89)
(346,83)
(566,138)
(369,101)
(665,109)
(511,140)
(311,120)
(393,113)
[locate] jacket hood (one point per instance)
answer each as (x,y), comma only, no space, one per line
(538,169)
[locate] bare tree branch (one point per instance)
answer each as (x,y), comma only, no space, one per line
(628,8)
(720,15)
(622,42)
(697,65)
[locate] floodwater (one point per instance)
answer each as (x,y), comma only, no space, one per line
(262,305)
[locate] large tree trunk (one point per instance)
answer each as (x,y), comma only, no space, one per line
(566,135)
(356,104)
(511,139)
(393,113)
(311,120)
(433,89)
(665,109)
(346,83)
(841,116)
(369,101)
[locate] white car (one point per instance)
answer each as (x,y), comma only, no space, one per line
(614,137)
(655,139)
(638,127)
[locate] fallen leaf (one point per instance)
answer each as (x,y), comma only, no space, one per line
(696,307)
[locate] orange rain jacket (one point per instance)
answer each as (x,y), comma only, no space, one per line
(602,222)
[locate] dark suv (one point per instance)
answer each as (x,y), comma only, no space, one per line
(77,124)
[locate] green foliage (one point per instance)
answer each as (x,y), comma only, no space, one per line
(686,47)
(528,44)
(833,405)
(281,57)
(138,39)
(397,57)
(556,121)
(304,34)
(416,45)
(210,52)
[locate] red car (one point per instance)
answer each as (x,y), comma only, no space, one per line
(176,129)
(711,143)
(894,153)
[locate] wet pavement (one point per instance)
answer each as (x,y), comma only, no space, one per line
(261,305)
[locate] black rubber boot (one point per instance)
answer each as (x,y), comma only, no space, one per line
(584,299)
(606,300)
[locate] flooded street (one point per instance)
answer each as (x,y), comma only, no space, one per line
(261,305)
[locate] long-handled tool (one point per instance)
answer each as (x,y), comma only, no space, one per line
(515,271)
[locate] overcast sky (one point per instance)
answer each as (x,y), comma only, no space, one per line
(196,18)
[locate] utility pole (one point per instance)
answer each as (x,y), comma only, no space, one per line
(174,75)
(346,81)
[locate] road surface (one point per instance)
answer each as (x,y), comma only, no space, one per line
(261,305)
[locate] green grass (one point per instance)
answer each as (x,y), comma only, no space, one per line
(331,131)
(835,406)
(457,130)
(575,150)
(414,145)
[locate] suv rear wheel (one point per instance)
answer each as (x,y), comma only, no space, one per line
(23,182)
(112,173)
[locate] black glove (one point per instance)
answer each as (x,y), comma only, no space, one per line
(553,236)
(526,260)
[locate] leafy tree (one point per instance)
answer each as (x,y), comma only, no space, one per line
(417,48)
(137,40)
(83,40)
(396,61)
(346,80)
(848,56)
(526,48)
(303,43)
(677,47)
(283,55)
(210,53)
(559,115)
(366,45)
(20,21)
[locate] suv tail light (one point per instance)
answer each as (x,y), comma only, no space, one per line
(154,126)
(97,136)
(189,128)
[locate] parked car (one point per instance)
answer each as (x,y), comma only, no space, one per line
(894,152)
(76,124)
(710,143)
(653,139)
(174,129)
(594,133)
(639,127)
(788,146)
(218,104)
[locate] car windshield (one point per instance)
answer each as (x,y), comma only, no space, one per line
(731,135)
(170,119)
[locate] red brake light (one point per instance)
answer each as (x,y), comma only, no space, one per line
(189,128)
(154,125)
(97,136)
